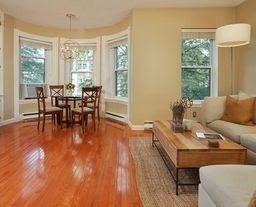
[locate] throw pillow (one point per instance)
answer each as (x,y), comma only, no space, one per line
(242,96)
(239,111)
(213,108)
(253,201)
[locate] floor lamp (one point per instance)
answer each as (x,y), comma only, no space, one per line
(233,35)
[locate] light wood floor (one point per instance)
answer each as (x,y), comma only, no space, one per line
(63,167)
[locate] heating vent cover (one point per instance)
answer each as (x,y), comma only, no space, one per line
(28,91)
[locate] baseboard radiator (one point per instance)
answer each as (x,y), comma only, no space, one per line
(148,125)
(31,115)
(116,116)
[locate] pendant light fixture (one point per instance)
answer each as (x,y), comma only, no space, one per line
(69,49)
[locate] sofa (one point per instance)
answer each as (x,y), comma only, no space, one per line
(227,185)
(213,109)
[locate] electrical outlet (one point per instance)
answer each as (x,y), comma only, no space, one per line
(194,114)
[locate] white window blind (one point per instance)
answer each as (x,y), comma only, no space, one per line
(35,43)
(118,41)
(198,33)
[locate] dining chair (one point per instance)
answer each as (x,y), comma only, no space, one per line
(99,88)
(57,91)
(45,110)
(89,96)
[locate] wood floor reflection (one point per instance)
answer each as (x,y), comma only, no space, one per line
(64,167)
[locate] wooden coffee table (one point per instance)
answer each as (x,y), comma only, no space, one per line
(187,152)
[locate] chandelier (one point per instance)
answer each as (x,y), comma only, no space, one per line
(69,49)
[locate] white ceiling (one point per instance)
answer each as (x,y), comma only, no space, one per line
(92,13)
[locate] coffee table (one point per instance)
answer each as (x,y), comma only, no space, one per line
(187,152)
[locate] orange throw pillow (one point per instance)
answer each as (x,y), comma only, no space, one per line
(239,111)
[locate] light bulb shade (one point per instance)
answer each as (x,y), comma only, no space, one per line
(233,35)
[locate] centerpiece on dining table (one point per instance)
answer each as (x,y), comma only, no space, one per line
(178,109)
(70,88)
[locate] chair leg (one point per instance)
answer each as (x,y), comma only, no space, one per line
(38,120)
(53,118)
(86,119)
(61,118)
(72,119)
(43,122)
(82,122)
(98,114)
(93,119)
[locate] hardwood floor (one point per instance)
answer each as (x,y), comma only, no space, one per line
(64,167)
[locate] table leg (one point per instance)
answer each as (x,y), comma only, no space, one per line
(177,181)
(153,139)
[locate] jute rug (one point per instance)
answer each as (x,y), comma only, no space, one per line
(155,184)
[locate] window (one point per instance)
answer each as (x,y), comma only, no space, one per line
(84,69)
(82,72)
(121,70)
(32,63)
(198,71)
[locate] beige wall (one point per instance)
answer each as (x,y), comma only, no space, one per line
(246,54)
(8,68)
(156,54)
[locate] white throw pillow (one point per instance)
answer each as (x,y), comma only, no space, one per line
(213,108)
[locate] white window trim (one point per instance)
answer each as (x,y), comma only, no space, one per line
(95,42)
(108,82)
(51,75)
(214,64)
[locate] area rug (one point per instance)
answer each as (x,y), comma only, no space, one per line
(155,184)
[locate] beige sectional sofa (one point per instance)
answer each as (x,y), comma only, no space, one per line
(213,109)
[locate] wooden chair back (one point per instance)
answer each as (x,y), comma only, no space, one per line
(40,99)
(99,94)
(56,91)
(89,96)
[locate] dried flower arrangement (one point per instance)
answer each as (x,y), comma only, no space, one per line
(178,109)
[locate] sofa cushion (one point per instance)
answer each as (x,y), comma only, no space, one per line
(213,108)
(239,111)
(231,130)
(248,141)
(234,190)
(253,200)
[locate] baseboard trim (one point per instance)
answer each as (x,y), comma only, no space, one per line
(10,121)
(135,127)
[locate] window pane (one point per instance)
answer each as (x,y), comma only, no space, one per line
(122,57)
(80,80)
(121,70)
(196,83)
(122,83)
(32,64)
(84,60)
(29,51)
(196,52)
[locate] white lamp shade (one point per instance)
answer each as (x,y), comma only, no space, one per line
(233,35)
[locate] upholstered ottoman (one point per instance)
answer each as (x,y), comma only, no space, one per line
(226,185)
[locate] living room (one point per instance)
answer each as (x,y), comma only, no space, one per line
(153,34)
